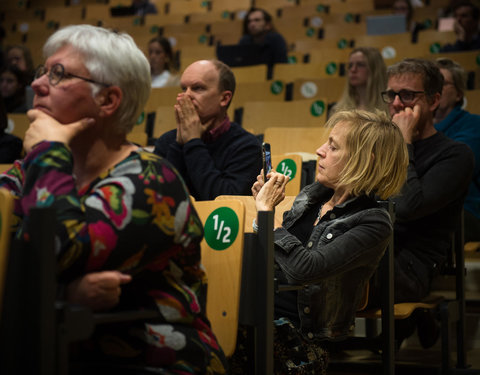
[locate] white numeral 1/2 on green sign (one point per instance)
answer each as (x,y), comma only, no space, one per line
(227,230)
(288,168)
(221,228)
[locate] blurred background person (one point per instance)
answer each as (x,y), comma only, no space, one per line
(258,29)
(20,56)
(10,145)
(142,7)
(466,16)
(13,83)
(162,64)
(462,126)
(404,7)
(366,79)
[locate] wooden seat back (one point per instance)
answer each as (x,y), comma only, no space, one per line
(291,166)
(6,219)
(222,254)
(304,140)
(289,115)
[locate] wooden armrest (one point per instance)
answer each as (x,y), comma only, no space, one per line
(403,310)
(472,246)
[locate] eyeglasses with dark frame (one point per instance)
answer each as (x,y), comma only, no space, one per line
(57,73)
(406,96)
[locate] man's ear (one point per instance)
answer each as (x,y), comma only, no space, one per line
(109,100)
(434,102)
(226,98)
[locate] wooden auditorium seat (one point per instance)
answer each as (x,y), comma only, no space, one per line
(222,256)
(298,113)
(291,166)
(6,221)
(303,140)
(20,124)
(256,91)
(330,88)
(254,73)
(290,72)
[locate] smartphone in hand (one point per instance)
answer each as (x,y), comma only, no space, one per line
(267,160)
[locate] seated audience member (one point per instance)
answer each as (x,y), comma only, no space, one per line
(366,78)
(20,56)
(160,57)
(439,173)
(118,207)
(466,27)
(406,7)
(13,83)
(10,145)
(213,155)
(335,234)
(143,7)
(461,126)
(258,29)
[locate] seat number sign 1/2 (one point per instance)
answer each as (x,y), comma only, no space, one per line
(221,228)
(288,168)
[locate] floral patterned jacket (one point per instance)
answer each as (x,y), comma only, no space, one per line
(136,218)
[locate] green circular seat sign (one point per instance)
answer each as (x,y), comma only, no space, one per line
(140,118)
(342,43)
(317,108)
(288,168)
(331,68)
(276,87)
(435,48)
(221,228)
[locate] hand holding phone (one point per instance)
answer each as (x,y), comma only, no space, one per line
(267,160)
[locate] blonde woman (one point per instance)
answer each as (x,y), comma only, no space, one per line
(366,79)
(335,233)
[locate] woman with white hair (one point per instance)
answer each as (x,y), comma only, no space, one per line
(118,207)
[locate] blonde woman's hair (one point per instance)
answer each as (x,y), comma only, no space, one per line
(377,156)
(376,83)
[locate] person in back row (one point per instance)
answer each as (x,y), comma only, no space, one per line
(160,57)
(439,173)
(10,145)
(462,126)
(467,16)
(258,30)
(213,155)
(366,78)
